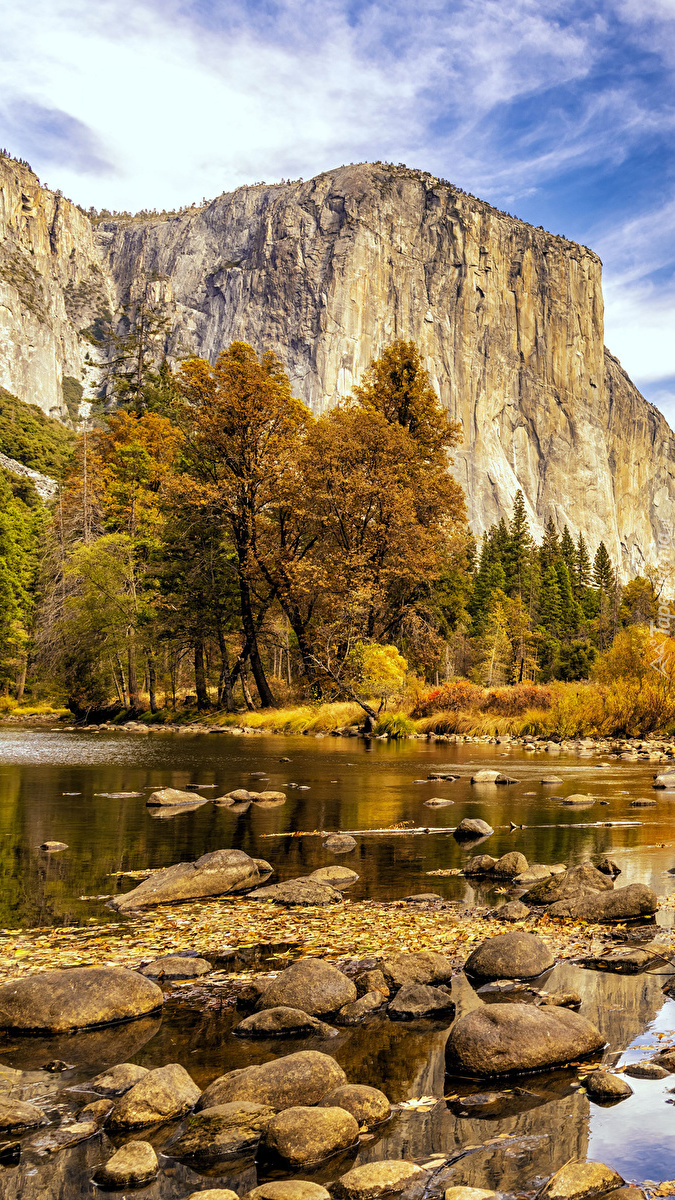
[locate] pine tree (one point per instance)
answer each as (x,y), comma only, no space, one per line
(582,566)
(489,578)
(567,552)
(518,556)
(549,551)
(604,578)
(569,615)
(550,611)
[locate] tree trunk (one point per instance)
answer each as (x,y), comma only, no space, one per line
(131,674)
(266,697)
(200,676)
(21,681)
(124,686)
(225,695)
(248,699)
(120,697)
(152,682)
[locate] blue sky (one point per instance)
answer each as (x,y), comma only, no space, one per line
(562,113)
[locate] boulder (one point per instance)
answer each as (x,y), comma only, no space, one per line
(534,873)
(577,1180)
(294,1079)
(312,985)
(470,827)
(336,876)
(516,955)
(605,1087)
(133,1165)
(635,900)
(665,780)
(575,880)
(376,1179)
(503,1039)
(666,1058)
(371,981)
(268,799)
(480,864)
(161,1095)
(306,1135)
(238,796)
(578,800)
(214,874)
(509,865)
(223,1131)
(646,1070)
(419,1000)
(286,1189)
(358,1010)
(60,1001)
(340,843)
(168,797)
(485,776)
(420,966)
(282,1022)
(116,1081)
(368,1105)
(422,898)
(15,1115)
(175,966)
(514,910)
(305,891)
(561,999)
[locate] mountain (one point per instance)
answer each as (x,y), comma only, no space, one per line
(326,273)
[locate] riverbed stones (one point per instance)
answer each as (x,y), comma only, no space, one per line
(575,881)
(15,1115)
(223,1131)
(304,1135)
(509,865)
(337,876)
(175,966)
(516,955)
(626,961)
(472,827)
(282,1022)
(579,1180)
(606,1088)
(169,797)
(312,985)
(416,1000)
(646,1070)
(285,1189)
(294,1079)
(358,1010)
(635,900)
(376,1179)
(368,1105)
(480,864)
(340,843)
(468,1193)
(133,1165)
(534,873)
(578,800)
(238,796)
(302,892)
(371,981)
(76,998)
(419,966)
(514,910)
(503,1039)
(485,776)
(216,874)
(161,1095)
(117,1080)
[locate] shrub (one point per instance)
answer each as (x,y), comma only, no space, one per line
(458,695)
(516,700)
(395,725)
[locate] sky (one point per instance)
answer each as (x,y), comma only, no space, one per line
(562,113)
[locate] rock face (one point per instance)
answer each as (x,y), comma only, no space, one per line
(213,874)
(58,1001)
(295,1079)
(509,320)
(514,955)
(503,1039)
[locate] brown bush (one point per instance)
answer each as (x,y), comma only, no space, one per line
(516,700)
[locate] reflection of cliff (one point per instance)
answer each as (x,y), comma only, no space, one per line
(621,1006)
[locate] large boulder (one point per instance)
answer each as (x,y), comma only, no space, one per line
(575,880)
(161,1095)
(376,1179)
(214,874)
(166,797)
(471,828)
(579,1180)
(635,900)
(368,1105)
(312,985)
(132,1165)
(59,1001)
(415,1000)
(419,966)
(516,955)
(294,1079)
(504,1039)
(509,865)
(282,1022)
(305,1135)
(306,891)
(222,1131)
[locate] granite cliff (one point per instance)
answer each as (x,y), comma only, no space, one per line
(327,272)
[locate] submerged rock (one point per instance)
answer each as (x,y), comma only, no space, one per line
(52,847)
(116,1081)
(376,1179)
(134,1165)
(516,955)
(628,961)
(294,1079)
(161,1095)
(340,843)
(368,1105)
(311,985)
(282,1022)
(606,1088)
(15,1115)
(287,1189)
(337,876)
(214,874)
(304,1135)
(502,1039)
(646,1069)
(59,1001)
(175,966)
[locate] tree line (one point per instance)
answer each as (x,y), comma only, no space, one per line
(211,535)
